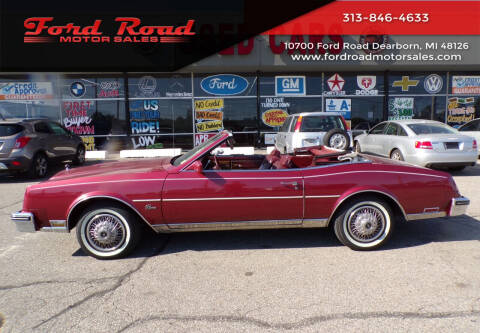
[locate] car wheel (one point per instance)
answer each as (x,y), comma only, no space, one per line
(364,223)
(39,167)
(337,138)
(358,149)
(458,168)
(79,156)
(397,155)
(108,232)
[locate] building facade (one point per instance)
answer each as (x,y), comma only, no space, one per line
(251,88)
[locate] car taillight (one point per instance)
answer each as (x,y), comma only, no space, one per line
(298,124)
(345,123)
(423,145)
(474,145)
(21,142)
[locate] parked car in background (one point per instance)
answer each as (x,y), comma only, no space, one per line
(361,196)
(472,128)
(31,145)
(361,128)
(312,129)
(426,143)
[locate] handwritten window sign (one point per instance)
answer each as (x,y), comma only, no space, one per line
(144,117)
(208,117)
(400,108)
(460,110)
(76,117)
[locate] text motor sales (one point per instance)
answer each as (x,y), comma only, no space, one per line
(130,30)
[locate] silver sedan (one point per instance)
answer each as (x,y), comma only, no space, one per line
(423,142)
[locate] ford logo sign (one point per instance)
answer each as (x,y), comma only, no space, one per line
(224,84)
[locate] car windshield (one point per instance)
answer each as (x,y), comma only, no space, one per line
(320,123)
(178,160)
(430,129)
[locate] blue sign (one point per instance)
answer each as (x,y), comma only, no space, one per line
(339,105)
(224,84)
(289,85)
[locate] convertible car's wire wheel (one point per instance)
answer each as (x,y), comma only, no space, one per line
(108,232)
(364,223)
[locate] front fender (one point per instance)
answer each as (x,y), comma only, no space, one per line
(84,198)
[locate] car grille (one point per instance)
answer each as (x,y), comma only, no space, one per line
(451,145)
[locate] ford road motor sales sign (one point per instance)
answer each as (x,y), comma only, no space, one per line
(130,29)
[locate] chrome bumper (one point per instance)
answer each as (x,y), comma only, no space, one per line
(24,221)
(458,206)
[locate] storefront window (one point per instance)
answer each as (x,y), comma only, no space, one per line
(363,109)
(160,111)
(464,98)
(94,108)
(225,101)
(35,97)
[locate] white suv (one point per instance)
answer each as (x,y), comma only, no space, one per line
(313,129)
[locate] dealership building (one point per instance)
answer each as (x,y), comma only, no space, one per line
(251,87)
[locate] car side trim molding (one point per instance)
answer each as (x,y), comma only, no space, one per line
(426,215)
(146,200)
(235,198)
(116,199)
(242,225)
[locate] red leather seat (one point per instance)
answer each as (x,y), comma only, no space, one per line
(285,162)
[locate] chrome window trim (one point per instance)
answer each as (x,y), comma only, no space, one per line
(106,197)
(377,171)
(285,170)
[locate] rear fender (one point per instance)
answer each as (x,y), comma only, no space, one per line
(377,190)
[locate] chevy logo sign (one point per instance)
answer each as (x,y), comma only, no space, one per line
(224,84)
(289,85)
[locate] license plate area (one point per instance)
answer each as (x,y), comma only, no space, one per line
(451,145)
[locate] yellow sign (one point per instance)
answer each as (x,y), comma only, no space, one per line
(89,142)
(208,104)
(208,126)
(209,115)
(274,117)
(405,83)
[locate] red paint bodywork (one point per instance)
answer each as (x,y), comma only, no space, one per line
(416,189)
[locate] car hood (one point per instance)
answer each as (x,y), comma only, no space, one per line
(115,168)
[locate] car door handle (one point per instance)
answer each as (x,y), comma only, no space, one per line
(294,184)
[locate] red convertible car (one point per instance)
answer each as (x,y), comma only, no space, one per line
(362,196)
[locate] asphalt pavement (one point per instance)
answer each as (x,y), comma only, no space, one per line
(426,279)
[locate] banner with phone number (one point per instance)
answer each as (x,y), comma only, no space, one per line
(387,18)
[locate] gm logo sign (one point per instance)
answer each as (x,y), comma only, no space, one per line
(289,85)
